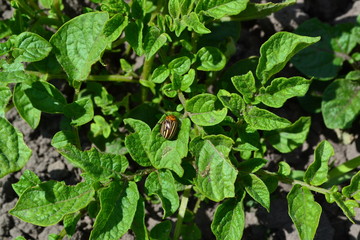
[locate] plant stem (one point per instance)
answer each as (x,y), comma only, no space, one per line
(58,12)
(183,102)
(106,78)
(160,4)
(294,182)
(182,211)
(62,234)
(312,188)
(111,78)
(118,42)
(145,76)
(77,137)
(181,98)
(197,205)
(194,41)
(142,172)
(75,128)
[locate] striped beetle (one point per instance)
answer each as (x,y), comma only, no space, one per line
(169,127)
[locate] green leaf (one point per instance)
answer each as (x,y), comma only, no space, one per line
(54,236)
(176,81)
(138,225)
(281,89)
(7,46)
(252,165)
(179,27)
(162,184)
(210,59)
(30,47)
(47,203)
(19,238)
(203,110)
(14,152)
(271,182)
(45,97)
(169,90)
(229,218)
(100,127)
(134,35)
(347,206)
(180,65)
(154,40)
(118,206)
(63,138)
(102,98)
(138,9)
(174,8)
(80,112)
(160,74)
(324,59)
(114,6)
(264,120)
(115,26)
(5,29)
(232,101)
(257,189)
(187,80)
(248,140)
(93,208)
(317,172)
(261,10)
(284,169)
(215,174)
(5,95)
(245,84)
(190,231)
(168,153)
(187,6)
(353,75)
(79,43)
(24,107)
(16,76)
(220,8)
(239,68)
(353,189)
(304,211)
(161,231)
(278,50)
(341,104)
(46,3)
(99,166)
(70,221)
(138,143)
(28,179)
(341,172)
(289,138)
(192,21)
(329,196)
(126,66)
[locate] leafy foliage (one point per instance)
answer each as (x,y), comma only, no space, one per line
(223,128)
(323,61)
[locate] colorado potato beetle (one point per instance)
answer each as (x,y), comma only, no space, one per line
(169,127)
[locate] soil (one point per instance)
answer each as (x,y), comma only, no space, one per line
(260,224)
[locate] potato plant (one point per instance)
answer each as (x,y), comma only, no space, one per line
(182,124)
